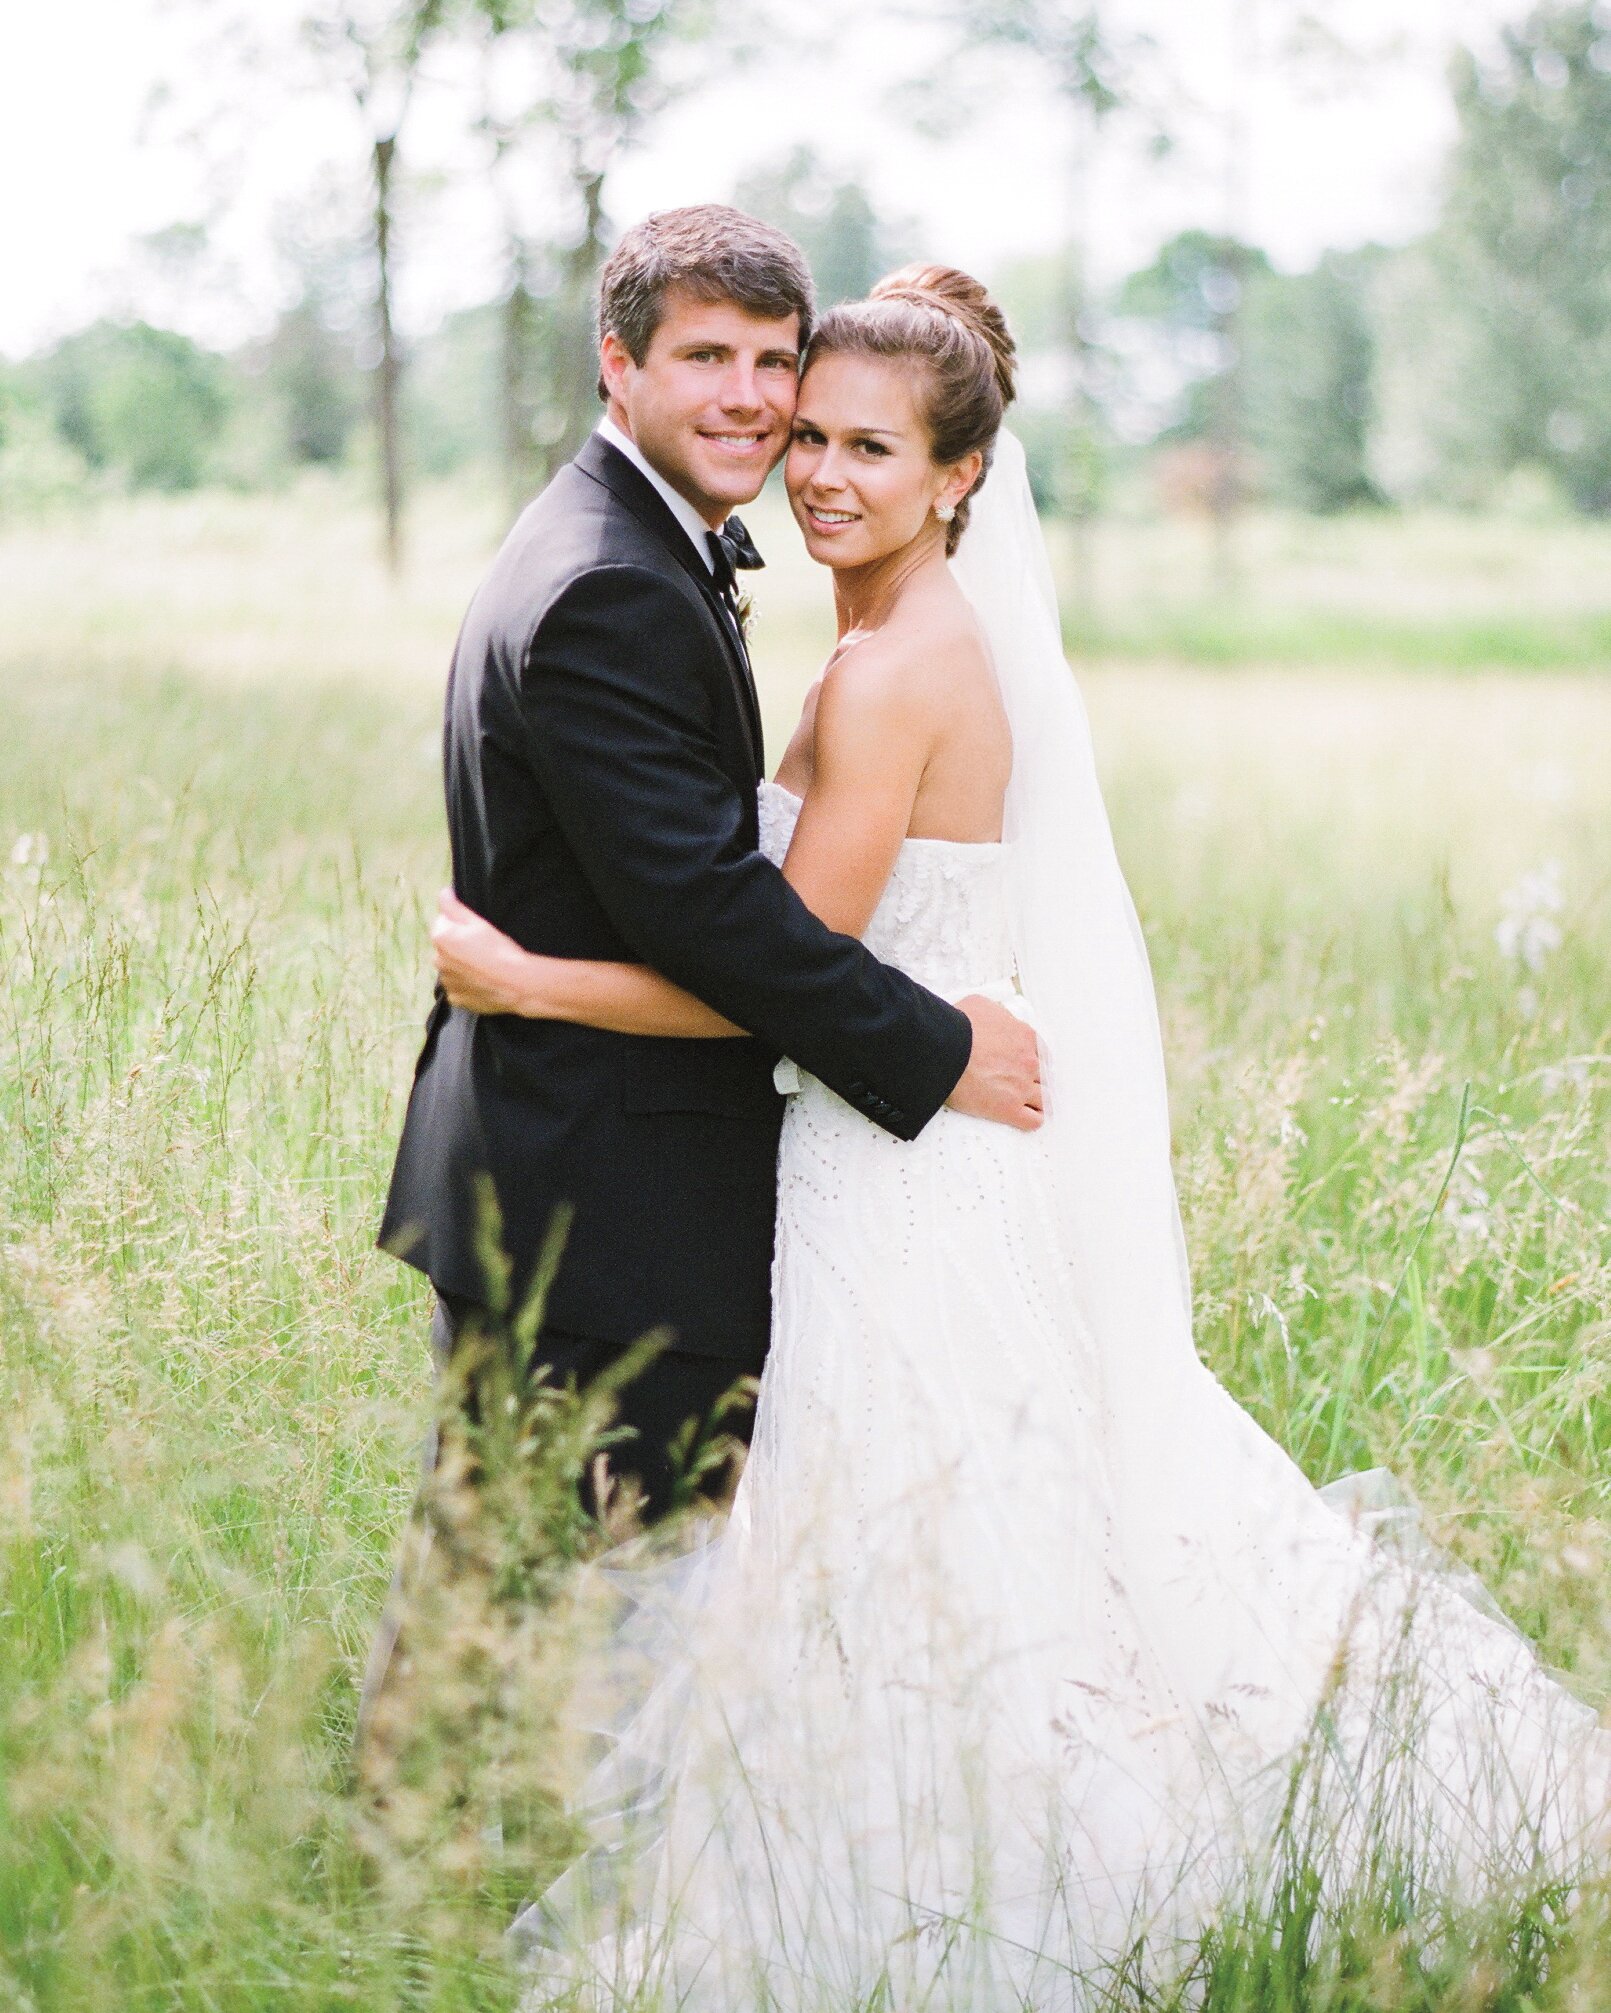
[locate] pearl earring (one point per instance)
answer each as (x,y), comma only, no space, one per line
(945,512)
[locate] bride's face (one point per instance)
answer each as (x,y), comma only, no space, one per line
(860,475)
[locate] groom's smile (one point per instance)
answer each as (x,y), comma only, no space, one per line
(737,444)
(711,401)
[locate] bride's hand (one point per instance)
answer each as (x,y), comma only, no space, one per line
(480,968)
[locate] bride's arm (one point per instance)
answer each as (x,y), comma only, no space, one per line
(870,746)
(871,739)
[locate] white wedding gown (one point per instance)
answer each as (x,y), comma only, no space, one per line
(953,1709)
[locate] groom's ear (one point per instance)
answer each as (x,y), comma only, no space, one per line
(614,360)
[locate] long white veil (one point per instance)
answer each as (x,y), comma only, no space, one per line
(1083,966)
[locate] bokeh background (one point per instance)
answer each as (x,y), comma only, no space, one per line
(1315,306)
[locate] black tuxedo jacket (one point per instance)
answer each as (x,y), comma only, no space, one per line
(602,752)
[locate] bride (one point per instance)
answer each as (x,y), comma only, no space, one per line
(1024,1653)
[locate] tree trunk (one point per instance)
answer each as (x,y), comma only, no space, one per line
(389,372)
(516,408)
(576,346)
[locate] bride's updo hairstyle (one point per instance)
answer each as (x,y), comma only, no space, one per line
(945,324)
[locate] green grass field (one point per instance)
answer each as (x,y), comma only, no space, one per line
(220,838)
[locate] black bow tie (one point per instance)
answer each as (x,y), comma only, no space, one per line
(733,551)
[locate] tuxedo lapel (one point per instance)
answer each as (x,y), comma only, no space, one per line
(629,487)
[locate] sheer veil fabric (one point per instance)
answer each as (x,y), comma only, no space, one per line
(1269,1604)
(1083,964)
(1025,1650)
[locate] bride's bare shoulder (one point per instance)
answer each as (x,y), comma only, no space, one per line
(923,658)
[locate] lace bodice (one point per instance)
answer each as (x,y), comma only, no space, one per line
(943,916)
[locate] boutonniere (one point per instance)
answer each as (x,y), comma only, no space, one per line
(746,614)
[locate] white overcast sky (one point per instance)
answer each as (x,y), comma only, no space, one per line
(84,173)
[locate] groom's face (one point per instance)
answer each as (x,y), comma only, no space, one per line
(711,403)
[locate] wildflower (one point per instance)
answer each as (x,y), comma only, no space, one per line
(30,849)
(1528,931)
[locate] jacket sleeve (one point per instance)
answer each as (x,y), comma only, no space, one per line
(620,715)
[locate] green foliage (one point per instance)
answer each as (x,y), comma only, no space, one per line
(1084,60)
(37,467)
(1275,370)
(1193,294)
(1309,357)
(1034,292)
(143,404)
(832,218)
(452,400)
(1515,329)
(1195,283)
(597,71)
(309,374)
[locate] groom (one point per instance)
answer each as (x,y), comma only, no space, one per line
(602,753)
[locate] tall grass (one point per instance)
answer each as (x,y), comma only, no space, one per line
(1424,592)
(219,840)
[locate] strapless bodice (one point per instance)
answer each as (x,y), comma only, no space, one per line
(943,916)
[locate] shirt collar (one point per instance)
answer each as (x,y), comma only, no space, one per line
(678,504)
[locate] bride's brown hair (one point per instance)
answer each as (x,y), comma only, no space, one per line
(944,321)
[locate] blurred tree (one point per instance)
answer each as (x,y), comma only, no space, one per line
(1092,73)
(455,395)
(1521,258)
(309,373)
(1301,351)
(308,369)
(1300,40)
(583,77)
(1309,360)
(375,47)
(1032,291)
(833,220)
(37,467)
(1191,293)
(142,403)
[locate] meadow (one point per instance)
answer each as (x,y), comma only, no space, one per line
(1364,812)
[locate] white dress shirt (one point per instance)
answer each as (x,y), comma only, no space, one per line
(678,504)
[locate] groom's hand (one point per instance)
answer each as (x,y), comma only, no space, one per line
(1002,1079)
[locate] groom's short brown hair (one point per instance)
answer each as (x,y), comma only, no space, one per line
(712,252)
